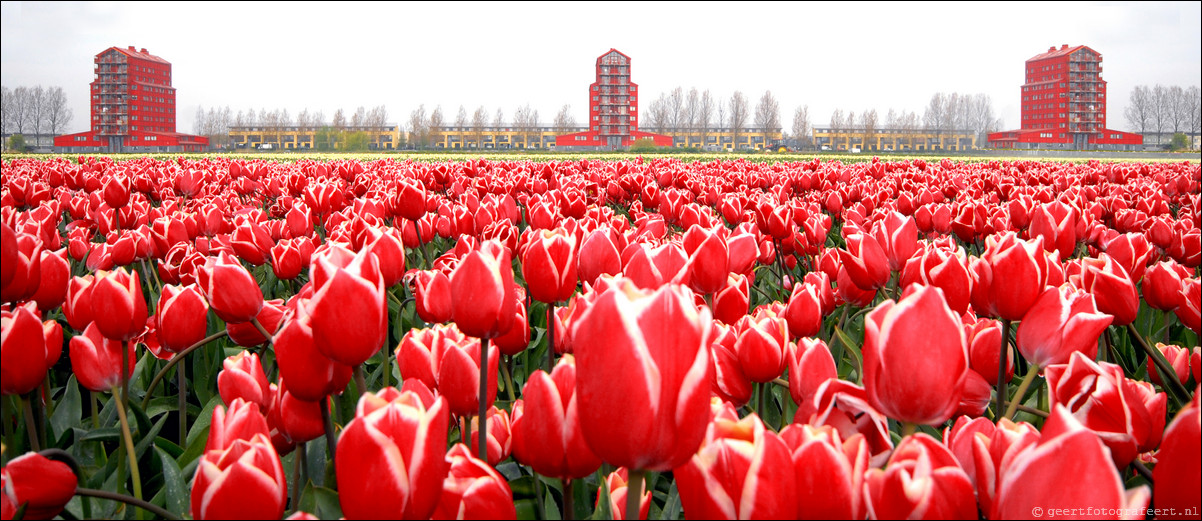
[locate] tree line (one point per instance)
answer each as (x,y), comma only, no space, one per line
(35,110)
(699,112)
(1162,109)
(425,129)
(215,123)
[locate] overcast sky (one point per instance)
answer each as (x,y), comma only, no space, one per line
(850,56)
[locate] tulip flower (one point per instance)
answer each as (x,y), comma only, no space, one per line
(43,486)
(242,377)
(1111,287)
(981,447)
(347,312)
(252,243)
(915,357)
(737,472)
(1176,484)
(482,297)
(898,235)
(650,267)
(805,310)
(1064,320)
(730,303)
(600,254)
(1189,312)
(118,307)
(761,343)
(312,376)
(649,352)
(944,269)
(243,480)
(390,459)
(432,293)
(1057,223)
(52,282)
(546,432)
(1127,415)
(499,435)
(24,350)
(922,480)
(865,262)
(231,291)
(11,255)
(549,262)
(96,359)
(473,490)
(290,257)
(1132,251)
(810,365)
(708,264)
(1026,488)
(829,472)
(301,420)
(247,334)
(617,482)
(181,317)
(388,247)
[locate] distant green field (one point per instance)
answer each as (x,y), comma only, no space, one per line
(434,156)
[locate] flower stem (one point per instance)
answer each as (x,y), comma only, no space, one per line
(177,359)
(634,493)
(104,494)
(27,404)
(360,381)
(508,378)
(569,507)
(550,337)
(129,450)
(1003,361)
(1022,390)
(182,384)
(262,330)
(298,458)
(908,429)
(482,435)
(328,423)
(1167,375)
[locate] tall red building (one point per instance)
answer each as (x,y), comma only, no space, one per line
(1064,104)
(613,109)
(133,108)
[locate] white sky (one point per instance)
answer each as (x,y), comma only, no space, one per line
(850,56)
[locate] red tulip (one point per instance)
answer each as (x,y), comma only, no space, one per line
(116,190)
(546,425)
(898,235)
(945,269)
(1009,277)
(411,198)
(246,334)
(730,303)
(390,461)
(617,482)
(432,294)
(829,472)
(243,420)
(549,265)
(981,448)
(11,255)
(737,472)
(1132,251)
(865,262)
(96,359)
(78,306)
(347,313)
(388,247)
(1127,415)
(243,480)
(181,317)
(290,257)
(1162,283)
(915,357)
(1178,359)
(727,379)
(1062,321)
(25,357)
(651,267)
(42,485)
(499,433)
(984,341)
(473,490)
(921,481)
(1175,479)
(761,343)
(242,377)
(810,365)
(300,419)
(231,291)
(482,291)
(649,352)
(708,264)
(805,310)
(1027,488)
(251,242)
(850,293)
(118,305)
(52,283)
(1189,312)
(312,375)
(1111,288)
(1058,224)
(600,254)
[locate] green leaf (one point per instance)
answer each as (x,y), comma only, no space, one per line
(673,508)
(175,485)
(148,438)
(321,502)
(68,411)
(105,434)
(527,509)
(603,511)
(203,420)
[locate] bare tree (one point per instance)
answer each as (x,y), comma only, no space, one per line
(739,114)
(801,126)
(675,109)
(1139,109)
(767,115)
(705,114)
(479,120)
(1160,108)
(692,106)
(910,124)
(935,118)
(1193,106)
(980,116)
(18,110)
(1175,101)
(891,119)
(564,122)
(58,114)
(498,122)
(461,118)
(657,113)
(418,126)
(37,109)
(378,116)
(869,123)
(436,123)
(836,128)
(339,121)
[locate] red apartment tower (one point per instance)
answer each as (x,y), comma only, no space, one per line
(1064,104)
(613,110)
(133,107)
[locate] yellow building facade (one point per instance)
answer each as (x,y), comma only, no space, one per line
(893,139)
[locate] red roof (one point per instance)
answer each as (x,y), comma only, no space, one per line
(134,53)
(611,49)
(1064,50)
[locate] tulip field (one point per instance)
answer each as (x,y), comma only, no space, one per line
(575,338)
